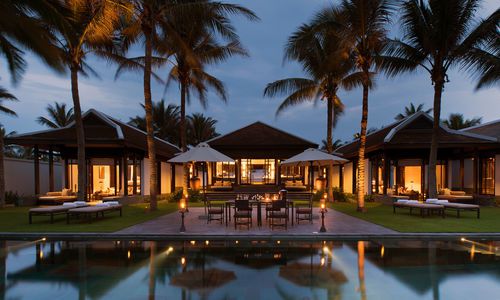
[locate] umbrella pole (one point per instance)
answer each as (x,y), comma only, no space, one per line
(311,174)
(203,184)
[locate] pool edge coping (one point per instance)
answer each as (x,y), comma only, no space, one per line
(186,236)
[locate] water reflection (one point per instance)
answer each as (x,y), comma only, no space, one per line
(248,269)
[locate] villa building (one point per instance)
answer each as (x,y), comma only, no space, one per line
(116,157)
(258,149)
(397,160)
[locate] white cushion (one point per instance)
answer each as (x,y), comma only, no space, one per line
(402,201)
(73,204)
(80,203)
(432,200)
(442,201)
(113,203)
(102,204)
(412,201)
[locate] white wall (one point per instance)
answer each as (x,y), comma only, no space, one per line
(336,176)
(20,176)
(468,174)
(348,177)
(179,175)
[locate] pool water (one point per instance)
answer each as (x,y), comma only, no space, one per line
(264,269)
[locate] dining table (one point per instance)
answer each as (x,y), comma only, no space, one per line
(258,204)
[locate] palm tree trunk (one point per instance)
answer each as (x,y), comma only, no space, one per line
(80,134)
(182,123)
(2,173)
(438,90)
(329,124)
(360,186)
(329,144)
(148,105)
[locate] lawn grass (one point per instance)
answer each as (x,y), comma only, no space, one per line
(15,219)
(402,221)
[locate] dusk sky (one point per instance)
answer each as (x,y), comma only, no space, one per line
(245,79)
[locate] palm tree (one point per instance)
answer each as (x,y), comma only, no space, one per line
(165,121)
(84,27)
(4,96)
(21,29)
(328,68)
(438,35)
(362,27)
(411,110)
(457,122)
(200,128)
(59,116)
(336,144)
(151,23)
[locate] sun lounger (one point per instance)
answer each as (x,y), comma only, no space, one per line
(54,210)
(425,209)
(98,209)
(458,207)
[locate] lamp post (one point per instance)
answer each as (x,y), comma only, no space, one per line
(323,211)
(182,210)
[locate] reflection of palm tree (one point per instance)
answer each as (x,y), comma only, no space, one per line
(3,261)
(432,270)
(152,271)
(361,269)
(82,271)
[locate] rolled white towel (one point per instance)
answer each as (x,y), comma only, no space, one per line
(112,203)
(412,201)
(442,201)
(432,200)
(102,204)
(72,204)
(402,201)
(80,203)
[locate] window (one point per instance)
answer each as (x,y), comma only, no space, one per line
(487,176)
(292,173)
(258,171)
(224,171)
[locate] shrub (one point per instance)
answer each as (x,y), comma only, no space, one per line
(11,198)
(195,195)
(176,196)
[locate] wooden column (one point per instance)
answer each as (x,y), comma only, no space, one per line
(387,173)
(475,164)
(51,170)
(66,174)
(462,173)
(172,177)
(115,177)
(134,175)
(422,179)
(158,177)
(125,174)
(37,170)
(341,178)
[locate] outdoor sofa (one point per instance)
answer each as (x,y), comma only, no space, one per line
(96,210)
(454,196)
(51,211)
(426,209)
(66,195)
(457,207)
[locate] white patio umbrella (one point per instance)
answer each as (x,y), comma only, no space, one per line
(313,156)
(201,153)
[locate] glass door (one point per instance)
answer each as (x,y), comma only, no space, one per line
(258,171)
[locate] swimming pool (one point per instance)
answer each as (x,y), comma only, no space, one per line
(246,269)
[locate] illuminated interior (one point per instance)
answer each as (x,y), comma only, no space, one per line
(292,174)
(258,171)
(130,176)
(224,171)
(487,175)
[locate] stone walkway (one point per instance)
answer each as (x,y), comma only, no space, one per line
(336,223)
